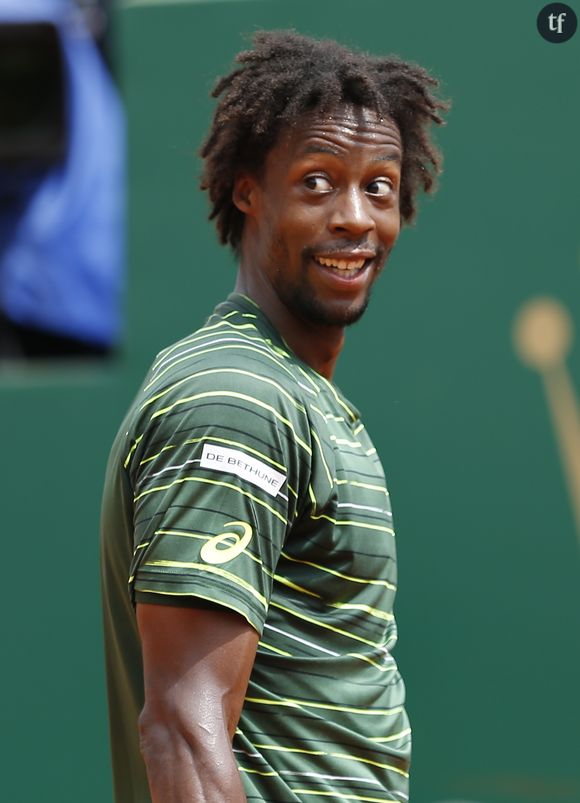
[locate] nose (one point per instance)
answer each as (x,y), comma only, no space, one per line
(350,213)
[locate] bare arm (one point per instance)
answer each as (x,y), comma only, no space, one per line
(196,668)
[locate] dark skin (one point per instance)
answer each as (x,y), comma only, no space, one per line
(330,188)
(328,193)
(197,663)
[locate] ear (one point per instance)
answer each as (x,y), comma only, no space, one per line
(245,193)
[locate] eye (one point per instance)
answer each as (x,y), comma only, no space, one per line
(380,187)
(318,183)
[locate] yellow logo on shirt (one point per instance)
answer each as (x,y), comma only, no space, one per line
(220,548)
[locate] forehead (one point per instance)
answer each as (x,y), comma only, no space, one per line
(341,130)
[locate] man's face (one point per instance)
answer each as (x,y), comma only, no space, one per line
(326,213)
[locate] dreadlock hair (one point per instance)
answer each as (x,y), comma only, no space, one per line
(287,75)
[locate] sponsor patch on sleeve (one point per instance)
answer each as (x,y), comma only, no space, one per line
(232,461)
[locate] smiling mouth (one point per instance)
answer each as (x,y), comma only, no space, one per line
(341,264)
(346,268)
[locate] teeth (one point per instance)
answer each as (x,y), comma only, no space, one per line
(341,264)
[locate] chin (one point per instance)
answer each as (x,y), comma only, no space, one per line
(321,313)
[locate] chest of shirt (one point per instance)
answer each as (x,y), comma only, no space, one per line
(342,548)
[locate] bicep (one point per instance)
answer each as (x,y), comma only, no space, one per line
(196,664)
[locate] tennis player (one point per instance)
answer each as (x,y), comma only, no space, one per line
(248,550)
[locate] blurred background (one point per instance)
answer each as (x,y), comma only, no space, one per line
(466,366)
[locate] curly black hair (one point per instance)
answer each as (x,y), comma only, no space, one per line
(287,75)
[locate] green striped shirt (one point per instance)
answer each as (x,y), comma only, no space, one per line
(243,478)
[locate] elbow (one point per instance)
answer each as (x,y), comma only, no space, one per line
(155,737)
(164,733)
(186,761)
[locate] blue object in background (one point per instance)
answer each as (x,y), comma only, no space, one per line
(62,227)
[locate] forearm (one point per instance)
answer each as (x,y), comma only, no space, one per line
(182,768)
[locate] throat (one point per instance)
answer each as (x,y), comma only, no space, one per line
(318,346)
(317,343)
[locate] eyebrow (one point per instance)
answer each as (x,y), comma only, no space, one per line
(385,157)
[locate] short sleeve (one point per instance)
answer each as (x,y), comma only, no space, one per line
(218,472)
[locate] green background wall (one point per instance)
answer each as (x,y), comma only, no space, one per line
(489,607)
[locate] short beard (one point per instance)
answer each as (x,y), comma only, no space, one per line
(302,301)
(307,307)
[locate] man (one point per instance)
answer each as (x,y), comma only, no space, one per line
(244,501)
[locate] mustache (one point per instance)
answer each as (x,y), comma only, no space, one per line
(345,247)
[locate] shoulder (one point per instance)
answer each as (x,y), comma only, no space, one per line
(212,367)
(229,351)
(222,377)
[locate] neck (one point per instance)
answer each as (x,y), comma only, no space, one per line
(317,345)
